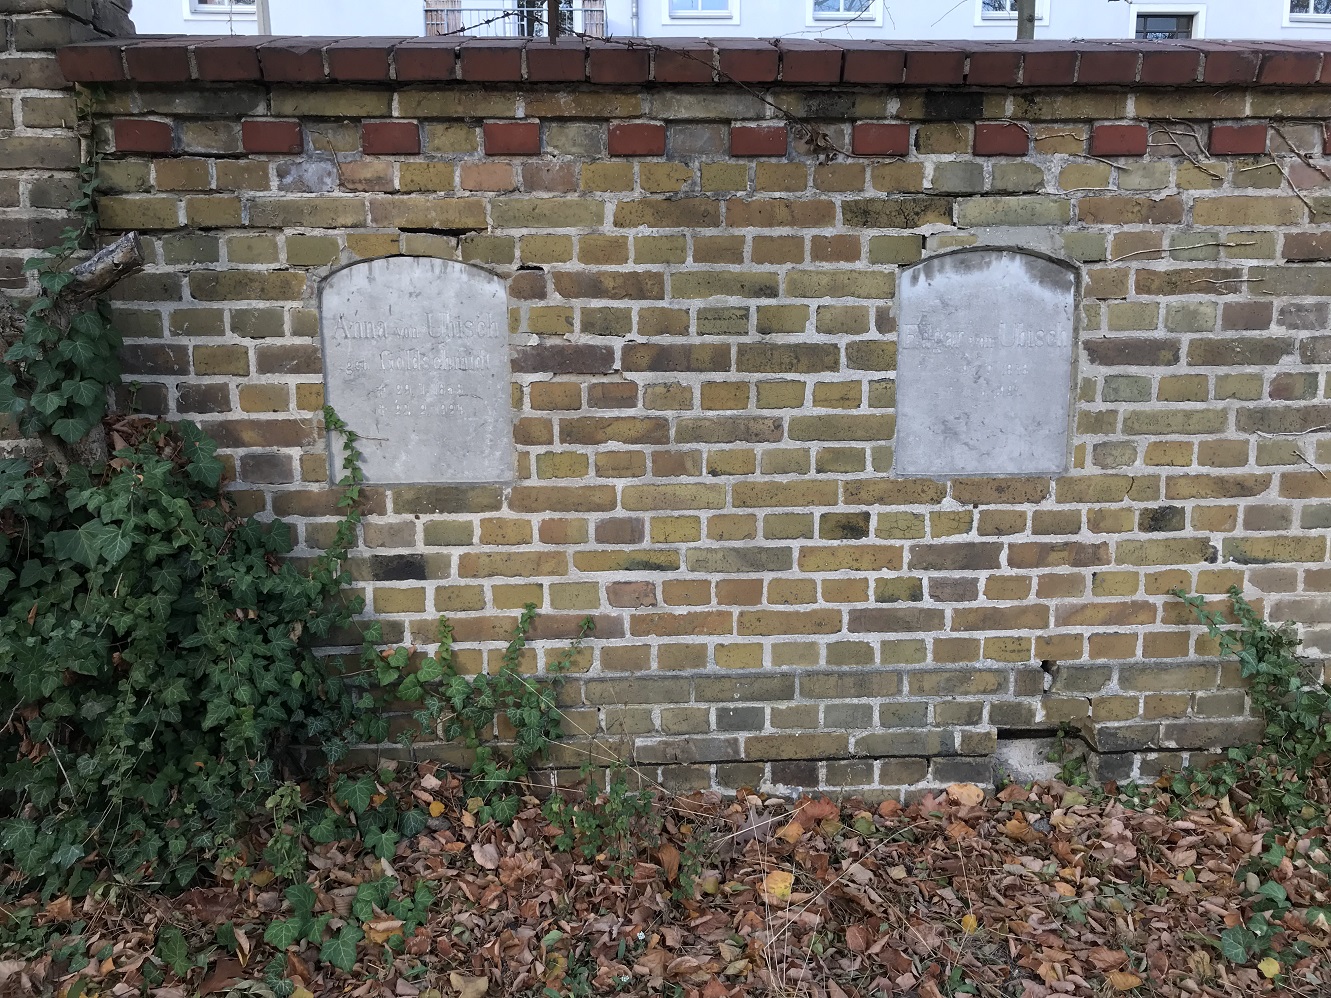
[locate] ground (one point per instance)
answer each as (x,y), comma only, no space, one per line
(1038,891)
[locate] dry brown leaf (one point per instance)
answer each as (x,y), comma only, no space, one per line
(486,856)
(669,857)
(778,883)
(791,833)
(468,987)
(1121,980)
(965,794)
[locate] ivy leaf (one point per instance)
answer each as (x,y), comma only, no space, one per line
(1272,890)
(340,950)
(1235,944)
(412,822)
(83,545)
(285,933)
(302,899)
(172,950)
(358,794)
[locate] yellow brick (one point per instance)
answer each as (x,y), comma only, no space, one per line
(739,656)
(725,176)
(676,529)
(607,176)
(393,600)
(663,178)
(516,597)
(264,398)
(732,527)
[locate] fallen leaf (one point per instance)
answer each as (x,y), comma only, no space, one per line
(468,987)
(969,923)
(965,794)
(436,808)
(791,833)
(1269,967)
(778,883)
(1121,980)
(669,857)
(486,856)
(226,971)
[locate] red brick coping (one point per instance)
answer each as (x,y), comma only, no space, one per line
(794,62)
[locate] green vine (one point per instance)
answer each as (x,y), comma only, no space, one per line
(57,369)
(1272,777)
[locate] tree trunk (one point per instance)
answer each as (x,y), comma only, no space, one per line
(92,277)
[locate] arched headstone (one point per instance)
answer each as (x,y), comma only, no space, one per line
(986,345)
(415,353)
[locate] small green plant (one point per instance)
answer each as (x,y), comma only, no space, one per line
(471,706)
(613,826)
(1071,759)
(1272,777)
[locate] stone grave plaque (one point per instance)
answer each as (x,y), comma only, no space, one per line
(985,350)
(415,355)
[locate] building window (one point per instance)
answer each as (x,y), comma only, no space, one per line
(1006,10)
(1163,27)
(232,8)
(1310,10)
(842,10)
(699,8)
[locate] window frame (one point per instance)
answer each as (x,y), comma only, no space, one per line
(873,18)
(992,18)
(1176,18)
(1308,20)
(729,16)
(1166,8)
(221,11)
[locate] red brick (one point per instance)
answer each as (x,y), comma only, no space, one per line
(562,62)
(158,62)
(872,62)
(939,66)
(810,62)
(637,139)
(1118,140)
(271,136)
(295,60)
(1230,65)
(1108,66)
(1050,68)
(512,138)
(426,59)
(1238,140)
(994,69)
(494,62)
(873,139)
(747,61)
(95,62)
(679,63)
(143,135)
(1170,68)
(227,60)
(360,59)
(759,140)
(1001,138)
(618,64)
(389,138)
(1289,69)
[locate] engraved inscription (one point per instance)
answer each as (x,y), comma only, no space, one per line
(416,361)
(984,368)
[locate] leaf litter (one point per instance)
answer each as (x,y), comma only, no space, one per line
(1029,893)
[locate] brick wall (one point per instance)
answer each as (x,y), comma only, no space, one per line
(39,140)
(702,244)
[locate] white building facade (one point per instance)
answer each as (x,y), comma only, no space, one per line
(990,20)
